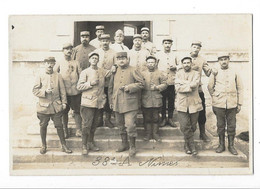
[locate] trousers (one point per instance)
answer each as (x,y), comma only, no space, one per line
(225,117)
(169,94)
(126,123)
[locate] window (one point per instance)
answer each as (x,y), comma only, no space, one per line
(129,30)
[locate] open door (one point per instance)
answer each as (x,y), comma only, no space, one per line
(130,28)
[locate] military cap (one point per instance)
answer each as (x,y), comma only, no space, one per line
(50,59)
(92,54)
(121,54)
(196,43)
(105,36)
(145,29)
(221,55)
(67,45)
(119,32)
(100,27)
(137,36)
(151,57)
(167,38)
(84,33)
(186,57)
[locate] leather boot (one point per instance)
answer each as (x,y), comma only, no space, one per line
(148,131)
(231,147)
(186,146)
(108,122)
(156,136)
(132,150)
(84,141)
(171,122)
(64,147)
(125,145)
(163,122)
(43,133)
(221,146)
(78,122)
(191,144)
(203,135)
(91,145)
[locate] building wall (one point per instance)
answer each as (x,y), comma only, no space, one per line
(35,37)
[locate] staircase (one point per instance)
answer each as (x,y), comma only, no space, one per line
(168,154)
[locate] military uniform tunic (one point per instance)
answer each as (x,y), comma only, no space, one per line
(80,53)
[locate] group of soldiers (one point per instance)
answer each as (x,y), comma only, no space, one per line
(98,77)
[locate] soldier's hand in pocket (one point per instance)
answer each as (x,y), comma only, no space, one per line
(111,106)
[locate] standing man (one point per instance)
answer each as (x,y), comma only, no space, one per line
(69,70)
(97,41)
(106,61)
(155,82)
(188,102)
(168,64)
(119,46)
(91,83)
(146,43)
(49,87)
(227,98)
(80,52)
(138,54)
(123,96)
(199,64)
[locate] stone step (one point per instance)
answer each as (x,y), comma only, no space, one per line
(113,142)
(35,129)
(172,156)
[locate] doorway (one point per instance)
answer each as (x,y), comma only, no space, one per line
(129,27)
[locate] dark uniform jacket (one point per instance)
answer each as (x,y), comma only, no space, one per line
(125,101)
(153,98)
(80,53)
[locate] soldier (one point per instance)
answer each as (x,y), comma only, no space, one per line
(199,64)
(155,82)
(123,98)
(69,70)
(138,54)
(227,97)
(49,87)
(91,83)
(168,64)
(119,46)
(80,52)
(146,43)
(188,102)
(106,61)
(97,41)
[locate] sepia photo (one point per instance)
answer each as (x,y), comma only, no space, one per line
(131,94)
